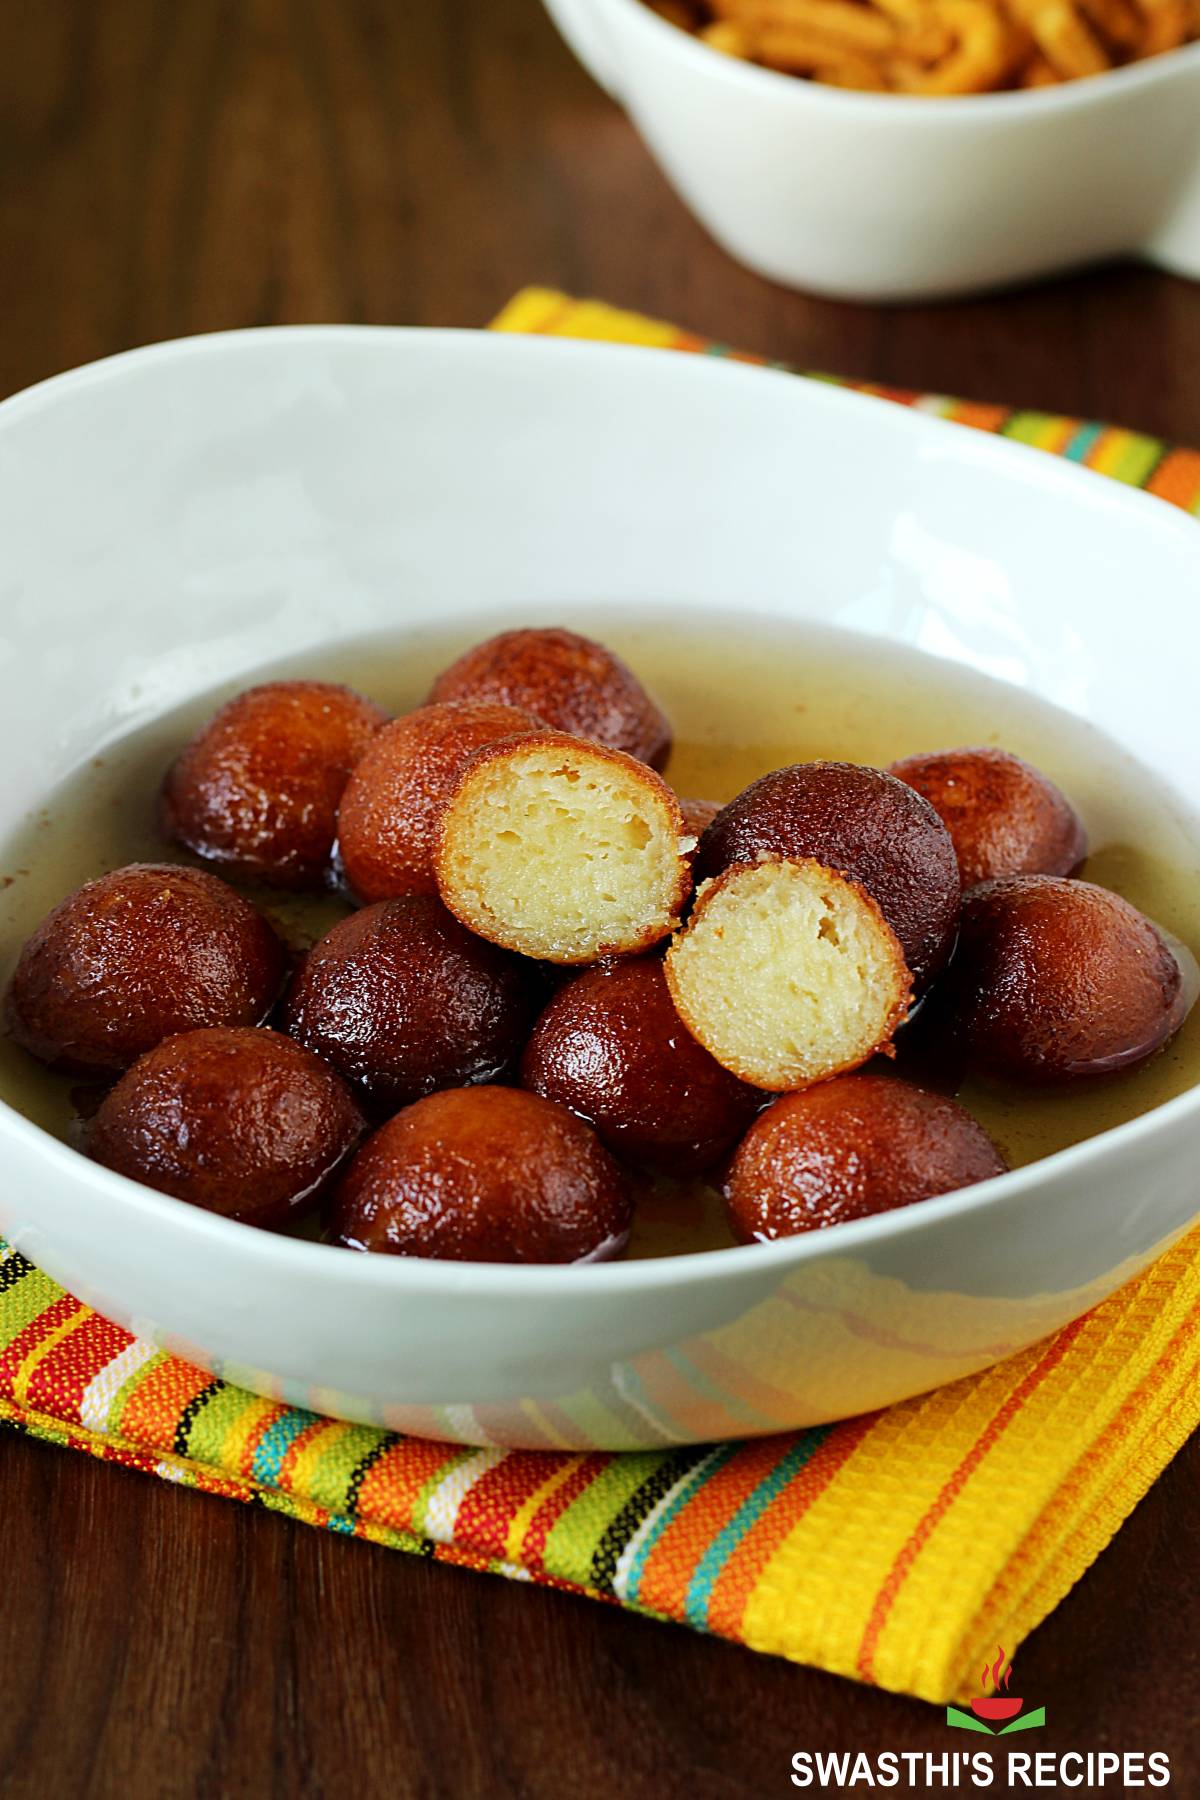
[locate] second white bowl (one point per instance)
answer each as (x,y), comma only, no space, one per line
(892,197)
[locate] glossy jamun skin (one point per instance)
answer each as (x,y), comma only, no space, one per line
(866,825)
(485,1174)
(241,1122)
(611,1046)
(402,1000)
(138,954)
(1004,816)
(568,682)
(1054,980)
(391,808)
(848,1149)
(257,790)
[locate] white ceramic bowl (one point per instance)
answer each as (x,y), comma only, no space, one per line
(890,197)
(181,515)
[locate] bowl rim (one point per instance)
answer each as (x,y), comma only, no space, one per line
(286,1255)
(1081,91)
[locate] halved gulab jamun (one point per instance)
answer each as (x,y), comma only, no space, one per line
(567,681)
(788,973)
(485,1174)
(563,850)
(244,1123)
(390,811)
(401,999)
(138,954)
(1056,979)
(612,1047)
(1004,816)
(870,827)
(256,791)
(847,1149)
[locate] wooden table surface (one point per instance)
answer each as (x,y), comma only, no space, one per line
(205,164)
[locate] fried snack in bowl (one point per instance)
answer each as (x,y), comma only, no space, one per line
(774,121)
(1169,24)
(938,47)
(1063,36)
(983,51)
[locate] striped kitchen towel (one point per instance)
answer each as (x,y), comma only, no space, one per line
(899,1548)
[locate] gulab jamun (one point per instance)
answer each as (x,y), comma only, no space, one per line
(257,789)
(401,999)
(870,827)
(242,1122)
(1056,979)
(612,1047)
(485,1174)
(1004,816)
(135,955)
(569,682)
(563,850)
(390,810)
(848,1149)
(788,972)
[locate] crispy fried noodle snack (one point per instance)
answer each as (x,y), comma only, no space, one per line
(937,46)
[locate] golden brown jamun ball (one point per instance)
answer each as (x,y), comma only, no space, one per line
(612,1047)
(563,850)
(257,790)
(242,1122)
(401,999)
(390,811)
(1057,979)
(485,1174)
(569,682)
(866,824)
(135,955)
(848,1149)
(788,973)
(1004,816)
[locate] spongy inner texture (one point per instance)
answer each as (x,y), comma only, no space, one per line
(572,855)
(790,972)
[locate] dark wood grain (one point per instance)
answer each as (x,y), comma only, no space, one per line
(193,166)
